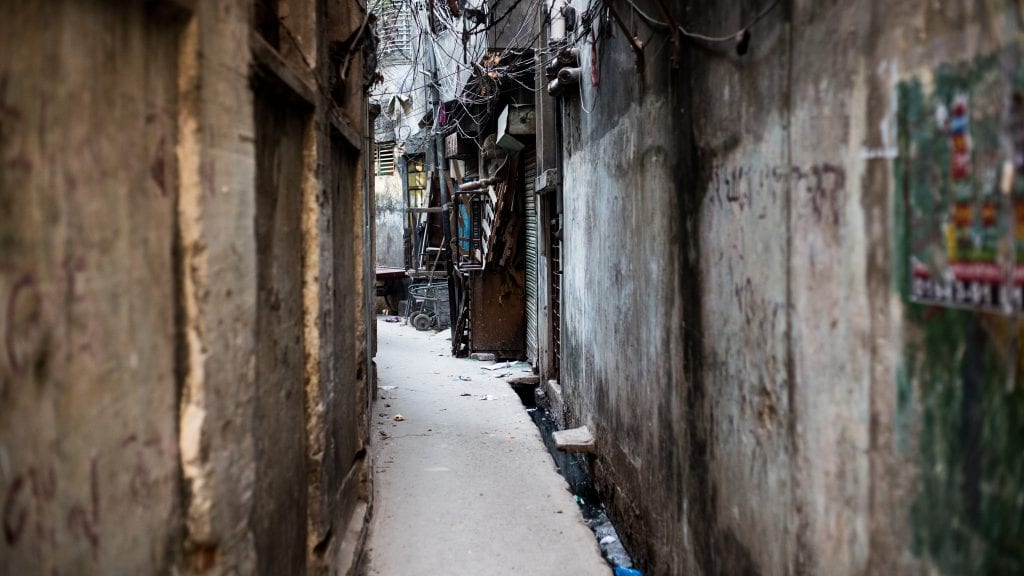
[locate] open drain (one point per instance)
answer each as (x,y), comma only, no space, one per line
(573,467)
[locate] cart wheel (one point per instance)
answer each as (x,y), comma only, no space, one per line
(421,322)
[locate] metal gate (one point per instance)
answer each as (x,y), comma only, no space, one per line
(529,156)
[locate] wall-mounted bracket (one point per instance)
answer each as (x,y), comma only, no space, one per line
(634,42)
(677,41)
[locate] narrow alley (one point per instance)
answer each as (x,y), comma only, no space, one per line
(755,266)
(463,484)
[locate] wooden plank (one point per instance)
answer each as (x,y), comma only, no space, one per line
(345,129)
(269,61)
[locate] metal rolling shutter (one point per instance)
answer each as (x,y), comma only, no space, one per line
(529,156)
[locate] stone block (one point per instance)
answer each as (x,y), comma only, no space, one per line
(575,440)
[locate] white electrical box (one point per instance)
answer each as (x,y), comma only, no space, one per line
(515,120)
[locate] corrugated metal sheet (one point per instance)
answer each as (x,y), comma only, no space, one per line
(530,173)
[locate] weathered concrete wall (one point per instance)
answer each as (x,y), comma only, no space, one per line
(89,465)
(765,399)
(622,357)
(168,384)
(390,221)
(742,381)
(399,79)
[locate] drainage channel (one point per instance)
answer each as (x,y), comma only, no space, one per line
(573,467)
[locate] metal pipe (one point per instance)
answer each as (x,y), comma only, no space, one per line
(570,75)
(478,185)
(442,177)
(440,163)
(559,153)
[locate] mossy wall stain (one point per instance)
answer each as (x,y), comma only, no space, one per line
(960,399)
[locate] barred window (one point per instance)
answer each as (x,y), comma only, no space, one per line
(384,160)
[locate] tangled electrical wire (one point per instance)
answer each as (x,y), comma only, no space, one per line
(467,73)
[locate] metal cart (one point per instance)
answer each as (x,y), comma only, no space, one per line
(428,307)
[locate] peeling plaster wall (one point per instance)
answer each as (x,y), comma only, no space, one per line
(89,461)
(218,260)
(736,329)
(622,356)
(390,225)
(171,396)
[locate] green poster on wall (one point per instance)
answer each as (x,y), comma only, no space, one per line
(961,131)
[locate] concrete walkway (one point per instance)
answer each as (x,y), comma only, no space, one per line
(464,486)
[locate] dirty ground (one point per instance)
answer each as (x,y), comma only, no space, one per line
(463,483)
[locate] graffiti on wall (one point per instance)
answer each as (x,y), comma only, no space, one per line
(964,185)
